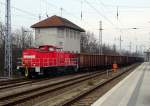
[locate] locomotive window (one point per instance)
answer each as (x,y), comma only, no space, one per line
(59,49)
(42,48)
(51,49)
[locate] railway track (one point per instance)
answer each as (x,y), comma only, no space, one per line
(10,81)
(19,82)
(16,83)
(18,97)
(87,97)
(64,88)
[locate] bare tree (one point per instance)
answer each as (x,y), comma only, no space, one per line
(89,44)
(19,42)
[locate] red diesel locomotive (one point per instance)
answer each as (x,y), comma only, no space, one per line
(46,59)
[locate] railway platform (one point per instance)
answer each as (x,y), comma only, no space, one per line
(134,90)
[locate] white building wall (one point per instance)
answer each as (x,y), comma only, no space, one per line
(66,38)
(72,41)
(45,36)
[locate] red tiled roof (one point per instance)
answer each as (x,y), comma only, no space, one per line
(56,21)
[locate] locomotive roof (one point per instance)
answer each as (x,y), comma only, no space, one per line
(56,21)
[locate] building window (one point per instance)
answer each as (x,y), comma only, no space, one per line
(60,44)
(71,34)
(78,35)
(60,32)
(67,33)
(39,31)
(74,34)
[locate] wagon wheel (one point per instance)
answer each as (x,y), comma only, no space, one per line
(26,72)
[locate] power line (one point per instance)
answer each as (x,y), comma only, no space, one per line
(126,6)
(123,6)
(64,10)
(46,2)
(118,20)
(26,17)
(29,15)
(94,8)
(56,7)
(21,10)
(35,16)
(117,12)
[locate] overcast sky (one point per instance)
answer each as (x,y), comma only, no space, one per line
(131,14)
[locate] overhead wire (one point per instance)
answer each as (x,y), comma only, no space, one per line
(126,6)
(117,17)
(56,7)
(117,13)
(36,16)
(21,10)
(99,13)
(68,13)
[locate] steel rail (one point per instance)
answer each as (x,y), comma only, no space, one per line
(23,81)
(16,98)
(86,92)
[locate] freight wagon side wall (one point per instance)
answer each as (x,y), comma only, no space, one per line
(94,61)
(91,61)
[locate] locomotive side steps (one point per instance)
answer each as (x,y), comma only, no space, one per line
(132,91)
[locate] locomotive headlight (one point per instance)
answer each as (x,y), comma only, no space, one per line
(29,56)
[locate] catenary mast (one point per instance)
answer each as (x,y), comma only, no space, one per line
(8,41)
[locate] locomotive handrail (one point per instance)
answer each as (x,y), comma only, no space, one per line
(45,62)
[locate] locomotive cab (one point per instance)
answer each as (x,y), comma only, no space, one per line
(46,59)
(50,48)
(47,48)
